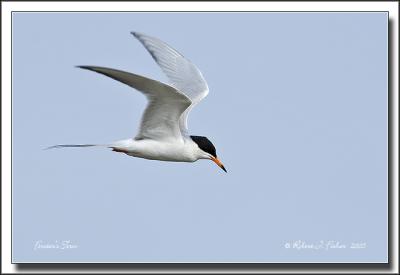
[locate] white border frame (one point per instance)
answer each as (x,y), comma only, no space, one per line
(8,7)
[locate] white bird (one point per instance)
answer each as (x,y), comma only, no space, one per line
(163,132)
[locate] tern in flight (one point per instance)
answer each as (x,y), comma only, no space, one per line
(163,132)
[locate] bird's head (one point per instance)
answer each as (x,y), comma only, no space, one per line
(207,150)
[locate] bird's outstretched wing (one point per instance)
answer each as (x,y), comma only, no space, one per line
(182,73)
(160,120)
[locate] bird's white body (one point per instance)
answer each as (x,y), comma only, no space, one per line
(185,151)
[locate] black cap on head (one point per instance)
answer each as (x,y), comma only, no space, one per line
(205,145)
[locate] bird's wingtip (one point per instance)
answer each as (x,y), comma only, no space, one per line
(89,68)
(138,35)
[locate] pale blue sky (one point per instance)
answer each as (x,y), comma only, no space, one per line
(297,110)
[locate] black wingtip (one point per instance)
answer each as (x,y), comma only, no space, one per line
(138,36)
(83,67)
(89,68)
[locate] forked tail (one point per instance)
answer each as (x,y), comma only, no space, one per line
(75,146)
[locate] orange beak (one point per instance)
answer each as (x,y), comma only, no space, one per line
(219,163)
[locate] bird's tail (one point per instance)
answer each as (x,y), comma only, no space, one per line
(75,146)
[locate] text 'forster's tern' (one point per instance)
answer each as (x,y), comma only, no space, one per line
(163,133)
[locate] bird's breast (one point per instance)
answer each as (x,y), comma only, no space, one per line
(160,150)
